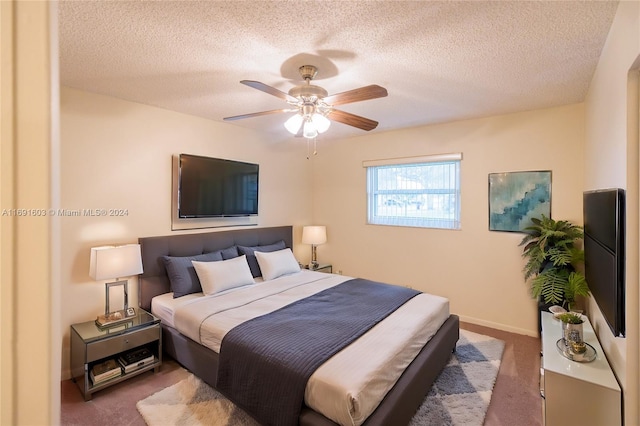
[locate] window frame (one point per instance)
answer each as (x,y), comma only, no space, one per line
(373,193)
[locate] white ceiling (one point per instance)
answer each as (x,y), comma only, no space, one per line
(440,61)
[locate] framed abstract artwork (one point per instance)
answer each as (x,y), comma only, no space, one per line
(516,197)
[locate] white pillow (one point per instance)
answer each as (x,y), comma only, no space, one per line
(277,263)
(224,274)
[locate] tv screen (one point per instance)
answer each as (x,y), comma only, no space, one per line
(215,187)
(604,230)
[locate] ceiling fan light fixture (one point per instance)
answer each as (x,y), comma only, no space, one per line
(313,105)
(293,124)
(320,122)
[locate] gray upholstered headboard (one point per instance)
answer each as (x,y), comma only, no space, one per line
(154,280)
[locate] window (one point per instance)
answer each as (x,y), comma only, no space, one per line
(419,191)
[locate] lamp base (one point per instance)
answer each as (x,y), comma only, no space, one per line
(115,318)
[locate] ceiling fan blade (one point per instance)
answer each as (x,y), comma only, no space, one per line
(356,95)
(270,90)
(258,114)
(352,120)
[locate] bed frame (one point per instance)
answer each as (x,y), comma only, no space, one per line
(400,403)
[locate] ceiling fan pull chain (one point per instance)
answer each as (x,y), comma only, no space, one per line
(315,146)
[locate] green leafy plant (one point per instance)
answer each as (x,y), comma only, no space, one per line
(552,257)
(571,318)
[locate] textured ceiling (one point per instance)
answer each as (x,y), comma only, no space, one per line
(439,61)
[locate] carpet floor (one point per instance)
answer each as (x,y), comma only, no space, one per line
(460,395)
(515,399)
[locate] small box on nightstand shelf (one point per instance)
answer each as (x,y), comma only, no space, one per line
(136,359)
(321,267)
(103,371)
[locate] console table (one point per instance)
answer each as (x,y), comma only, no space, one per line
(576,393)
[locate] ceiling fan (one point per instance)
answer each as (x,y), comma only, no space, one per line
(314,107)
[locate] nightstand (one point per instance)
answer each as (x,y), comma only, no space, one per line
(322,267)
(91,345)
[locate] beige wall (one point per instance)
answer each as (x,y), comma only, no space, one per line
(478,270)
(29,348)
(117,155)
(611,160)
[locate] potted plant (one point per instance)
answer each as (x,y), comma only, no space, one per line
(572,330)
(552,261)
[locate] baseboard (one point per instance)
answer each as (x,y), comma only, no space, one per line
(66,374)
(498,326)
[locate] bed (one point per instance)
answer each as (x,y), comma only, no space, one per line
(398,404)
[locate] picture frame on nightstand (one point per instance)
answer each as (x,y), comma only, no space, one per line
(321,267)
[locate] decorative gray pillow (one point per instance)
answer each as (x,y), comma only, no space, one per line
(251,258)
(182,274)
(229,253)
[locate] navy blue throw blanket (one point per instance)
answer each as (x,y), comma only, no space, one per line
(265,363)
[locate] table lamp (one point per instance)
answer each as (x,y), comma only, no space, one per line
(115,262)
(314,235)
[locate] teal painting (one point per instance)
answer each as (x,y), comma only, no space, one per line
(516,197)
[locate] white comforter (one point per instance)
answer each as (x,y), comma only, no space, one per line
(349,386)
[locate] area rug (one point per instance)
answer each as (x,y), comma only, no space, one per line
(459,396)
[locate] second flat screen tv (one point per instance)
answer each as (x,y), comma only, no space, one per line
(604,247)
(215,187)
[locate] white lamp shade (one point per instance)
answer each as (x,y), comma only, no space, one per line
(314,235)
(293,124)
(321,122)
(309,130)
(110,262)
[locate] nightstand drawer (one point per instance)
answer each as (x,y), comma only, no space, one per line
(117,344)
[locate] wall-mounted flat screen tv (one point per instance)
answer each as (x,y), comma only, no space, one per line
(215,187)
(604,231)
